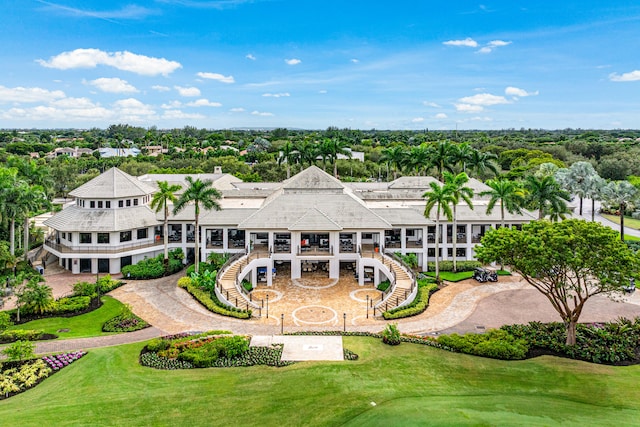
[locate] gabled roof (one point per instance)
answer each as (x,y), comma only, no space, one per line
(113,184)
(314,220)
(412,182)
(312,179)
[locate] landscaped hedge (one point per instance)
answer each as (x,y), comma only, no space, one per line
(24,335)
(460,265)
(70,305)
(124,322)
(417,306)
(153,268)
(208,349)
(210,301)
(610,343)
(495,343)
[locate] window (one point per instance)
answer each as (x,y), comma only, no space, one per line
(120,203)
(142,233)
(92,204)
(128,202)
(135,202)
(125,236)
(64,235)
(100,204)
(107,204)
(103,237)
(410,232)
(85,237)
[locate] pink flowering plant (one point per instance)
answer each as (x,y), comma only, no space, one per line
(59,361)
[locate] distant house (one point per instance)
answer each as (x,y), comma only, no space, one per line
(74,152)
(154,150)
(118,152)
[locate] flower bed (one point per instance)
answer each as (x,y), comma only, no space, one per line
(124,322)
(59,361)
(209,349)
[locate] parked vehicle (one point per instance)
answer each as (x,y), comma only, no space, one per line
(631,287)
(485,274)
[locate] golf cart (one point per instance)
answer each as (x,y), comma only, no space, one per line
(631,287)
(485,274)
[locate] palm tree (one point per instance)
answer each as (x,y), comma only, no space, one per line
(578,179)
(288,155)
(395,157)
(308,152)
(200,193)
(620,193)
(14,206)
(508,193)
(458,190)
(161,201)
(483,162)
(442,158)
(336,147)
(461,154)
(546,195)
(32,199)
(418,158)
(438,197)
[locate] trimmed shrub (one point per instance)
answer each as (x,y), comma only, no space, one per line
(23,335)
(495,343)
(448,265)
(391,335)
(417,306)
(210,301)
(383,286)
(70,305)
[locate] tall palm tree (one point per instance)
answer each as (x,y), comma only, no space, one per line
(577,179)
(395,156)
(161,201)
(200,193)
(308,152)
(461,155)
(440,198)
(14,194)
(418,158)
(442,158)
(32,200)
(325,152)
(620,193)
(459,191)
(508,194)
(335,147)
(546,195)
(482,162)
(288,155)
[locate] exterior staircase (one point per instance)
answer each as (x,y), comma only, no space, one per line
(228,286)
(403,285)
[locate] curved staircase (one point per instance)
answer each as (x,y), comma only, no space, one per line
(403,286)
(228,285)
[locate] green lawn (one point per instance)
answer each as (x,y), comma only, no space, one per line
(628,221)
(462,275)
(84,325)
(410,385)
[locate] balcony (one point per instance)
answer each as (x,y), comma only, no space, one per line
(102,249)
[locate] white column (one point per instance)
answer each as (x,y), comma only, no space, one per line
(225,239)
(403,240)
(270,271)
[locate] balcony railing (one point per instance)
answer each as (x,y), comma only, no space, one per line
(106,248)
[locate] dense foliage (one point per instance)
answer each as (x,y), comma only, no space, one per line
(126,321)
(209,300)
(418,305)
(497,344)
(153,268)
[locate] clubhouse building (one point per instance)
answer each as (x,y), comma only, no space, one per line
(311,222)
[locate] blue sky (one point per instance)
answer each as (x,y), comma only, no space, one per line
(313,64)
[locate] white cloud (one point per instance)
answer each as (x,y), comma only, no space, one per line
(276,95)
(515,91)
(160,88)
(498,43)
(430,104)
(177,114)
(354,60)
(172,105)
(126,61)
(417,120)
(441,116)
(237,110)
(484,99)
(468,42)
(631,76)
(322,91)
(187,91)
(204,103)
(261,113)
(113,85)
(489,47)
(293,61)
(468,108)
(28,94)
(251,57)
(215,76)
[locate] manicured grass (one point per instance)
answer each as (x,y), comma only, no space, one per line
(84,325)
(628,221)
(410,385)
(462,275)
